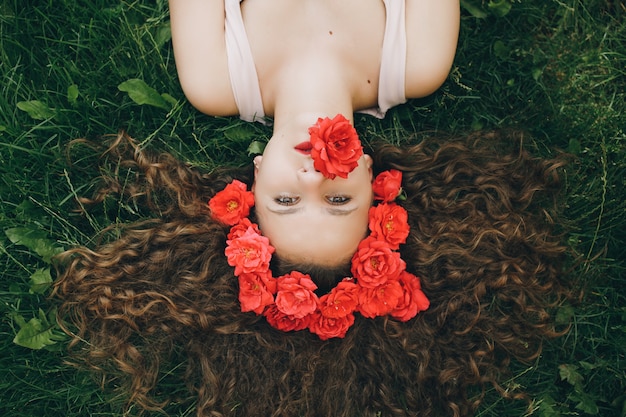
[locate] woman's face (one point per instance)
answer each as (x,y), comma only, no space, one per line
(309,218)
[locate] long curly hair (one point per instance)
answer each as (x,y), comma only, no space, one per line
(161,296)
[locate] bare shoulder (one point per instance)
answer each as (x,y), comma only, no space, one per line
(432,28)
(200,54)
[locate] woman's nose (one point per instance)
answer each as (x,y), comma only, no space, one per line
(308,174)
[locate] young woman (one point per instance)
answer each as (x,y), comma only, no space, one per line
(297,61)
(377,282)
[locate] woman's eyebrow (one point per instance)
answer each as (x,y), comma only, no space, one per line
(282,211)
(337,211)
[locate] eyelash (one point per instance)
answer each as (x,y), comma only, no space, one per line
(287,200)
(344,200)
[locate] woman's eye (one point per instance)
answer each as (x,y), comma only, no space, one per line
(286,200)
(338,199)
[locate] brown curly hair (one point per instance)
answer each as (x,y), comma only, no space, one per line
(483,239)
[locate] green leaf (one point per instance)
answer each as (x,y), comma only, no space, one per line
(500,7)
(547,407)
(574,147)
(473,7)
(256,147)
(15,288)
(587,404)
(169,99)
(72,93)
(35,240)
(141,93)
(19,320)
(402,195)
(26,211)
(239,133)
(40,281)
(570,374)
(619,404)
(38,333)
(36,109)
(477,124)
(587,365)
(163,35)
(500,49)
(565,314)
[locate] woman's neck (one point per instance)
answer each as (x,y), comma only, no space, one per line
(302,96)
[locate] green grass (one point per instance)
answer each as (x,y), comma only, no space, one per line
(554,67)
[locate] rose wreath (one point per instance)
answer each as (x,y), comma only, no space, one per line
(380,284)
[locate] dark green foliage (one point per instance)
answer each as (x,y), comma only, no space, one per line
(73,69)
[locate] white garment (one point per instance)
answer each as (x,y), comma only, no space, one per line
(244,79)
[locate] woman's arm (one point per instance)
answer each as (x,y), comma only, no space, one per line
(432,28)
(200,52)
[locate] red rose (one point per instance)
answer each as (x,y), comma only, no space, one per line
(336,147)
(240,228)
(374,263)
(295,296)
(341,301)
(232,204)
(413,300)
(326,328)
(387,185)
(379,301)
(249,253)
(389,222)
(253,293)
(269,281)
(281,321)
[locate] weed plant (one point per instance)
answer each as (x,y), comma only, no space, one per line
(72,69)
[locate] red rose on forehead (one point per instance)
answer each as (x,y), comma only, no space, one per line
(326,328)
(231,204)
(295,296)
(387,185)
(281,321)
(374,302)
(413,301)
(389,222)
(336,147)
(253,293)
(249,253)
(341,300)
(374,263)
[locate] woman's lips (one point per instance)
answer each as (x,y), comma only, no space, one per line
(304,148)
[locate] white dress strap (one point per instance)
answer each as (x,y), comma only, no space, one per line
(391,80)
(243,75)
